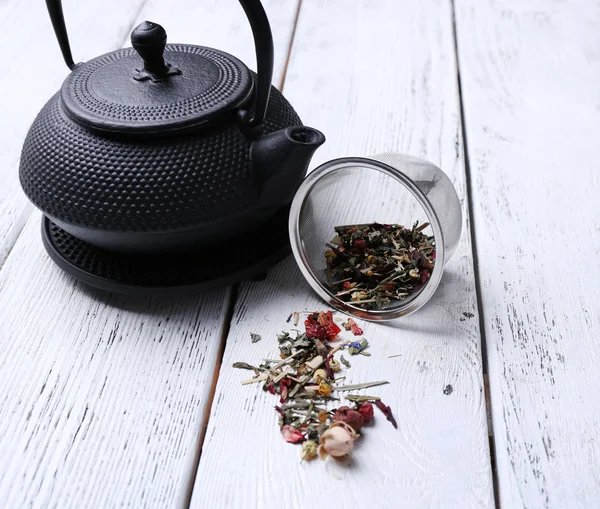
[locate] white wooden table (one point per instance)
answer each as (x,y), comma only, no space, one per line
(111,401)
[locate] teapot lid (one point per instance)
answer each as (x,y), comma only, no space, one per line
(155,88)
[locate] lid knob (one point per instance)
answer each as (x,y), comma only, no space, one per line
(149,40)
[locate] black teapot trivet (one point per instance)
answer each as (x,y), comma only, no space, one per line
(245,258)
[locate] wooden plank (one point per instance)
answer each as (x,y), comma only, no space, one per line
(223,25)
(32,70)
(103,399)
(530,85)
(102,396)
(374,77)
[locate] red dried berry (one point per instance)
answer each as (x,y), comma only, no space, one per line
(366,410)
(351,417)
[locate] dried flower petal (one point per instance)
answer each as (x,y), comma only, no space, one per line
(357,347)
(366,410)
(271,387)
(387,411)
(291,434)
(356,330)
(283,391)
(322,416)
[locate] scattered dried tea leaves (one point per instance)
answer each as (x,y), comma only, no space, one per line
(245,365)
(255,337)
(374,265)
(304,383)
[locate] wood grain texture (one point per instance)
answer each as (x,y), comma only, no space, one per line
(32,69)
(103,398)
(530,74)
(374,76)
(223,25)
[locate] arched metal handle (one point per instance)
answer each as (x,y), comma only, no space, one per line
(263,42)
(58,23)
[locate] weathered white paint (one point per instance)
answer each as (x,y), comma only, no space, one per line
(530,73)
(223,25)
(103,398)
(374,76)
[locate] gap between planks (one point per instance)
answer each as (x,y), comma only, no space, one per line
(190,478)
(290,46)
(476,268)
(232,297)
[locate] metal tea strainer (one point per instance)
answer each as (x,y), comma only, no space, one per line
(387,188)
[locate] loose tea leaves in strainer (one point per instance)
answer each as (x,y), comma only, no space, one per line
(371,265)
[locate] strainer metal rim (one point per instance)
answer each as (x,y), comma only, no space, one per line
(298,203)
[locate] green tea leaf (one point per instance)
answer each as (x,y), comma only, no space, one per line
(357,398)
(355,387)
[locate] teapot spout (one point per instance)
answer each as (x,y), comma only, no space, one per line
(280,161)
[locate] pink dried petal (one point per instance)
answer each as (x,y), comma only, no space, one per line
(291,434)
(283,391)
(356,330)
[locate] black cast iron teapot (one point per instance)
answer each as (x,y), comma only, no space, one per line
(165,147)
